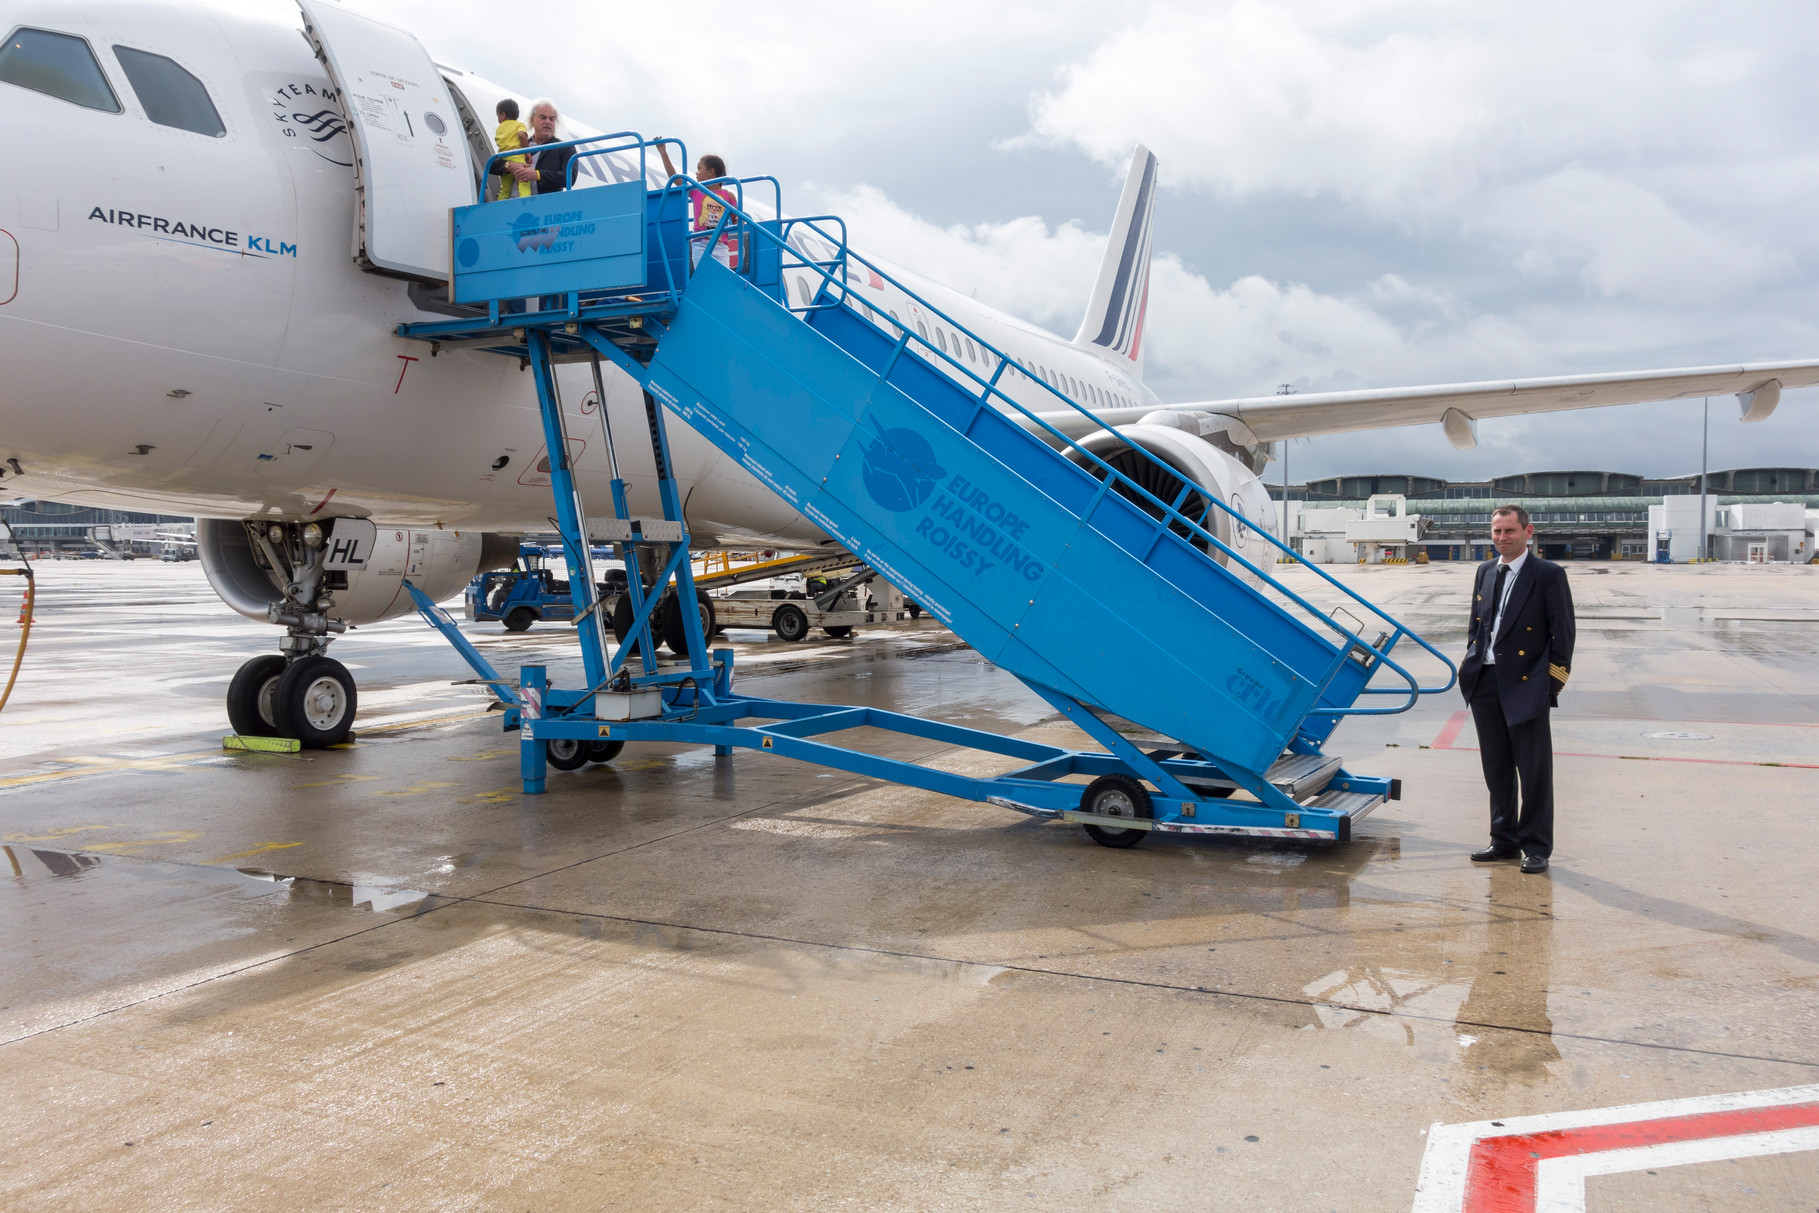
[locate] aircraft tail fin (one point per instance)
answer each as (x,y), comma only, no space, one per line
(1113,327)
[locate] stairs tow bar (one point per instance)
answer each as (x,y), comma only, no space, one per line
(1102,598)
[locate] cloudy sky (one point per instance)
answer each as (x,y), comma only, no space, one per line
(1356,193)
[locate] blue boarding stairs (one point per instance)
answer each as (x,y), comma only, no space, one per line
(1115,606)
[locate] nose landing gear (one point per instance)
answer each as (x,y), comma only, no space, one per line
(312,699)
(299,693)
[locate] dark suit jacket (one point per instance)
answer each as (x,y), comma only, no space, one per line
(1535,647)
(552,169)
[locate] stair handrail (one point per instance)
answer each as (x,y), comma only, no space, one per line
(638,141)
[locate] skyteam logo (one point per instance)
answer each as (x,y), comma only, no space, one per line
(529,232)
(900,469)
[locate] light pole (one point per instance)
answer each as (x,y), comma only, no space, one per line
(1705,442)
(1285,389)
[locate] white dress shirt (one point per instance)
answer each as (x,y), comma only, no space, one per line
(1509,583)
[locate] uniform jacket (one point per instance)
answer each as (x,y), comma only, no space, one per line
(1535,646)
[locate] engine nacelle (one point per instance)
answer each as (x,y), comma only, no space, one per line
(1208,470)
(368,585)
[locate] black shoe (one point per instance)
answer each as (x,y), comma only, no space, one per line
(1493,854)
(1532,864)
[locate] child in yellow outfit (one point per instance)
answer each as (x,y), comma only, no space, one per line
(511,134)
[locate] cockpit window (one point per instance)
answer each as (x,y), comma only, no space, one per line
(170,95)
(59,64)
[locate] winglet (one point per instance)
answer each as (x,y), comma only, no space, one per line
(1113,326)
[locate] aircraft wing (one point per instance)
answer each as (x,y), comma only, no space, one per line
(1458,406)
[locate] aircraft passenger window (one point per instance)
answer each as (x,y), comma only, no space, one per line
(58,64)
(923,329)
(941,339)
(970,356)
(170,95)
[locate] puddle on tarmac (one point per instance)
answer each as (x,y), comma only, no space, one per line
(25,863)
(378,899)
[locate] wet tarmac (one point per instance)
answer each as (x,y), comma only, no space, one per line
(381,978)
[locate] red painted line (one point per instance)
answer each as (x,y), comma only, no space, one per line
(324,501)
(1451,732)
(408,359)
(1501,1173)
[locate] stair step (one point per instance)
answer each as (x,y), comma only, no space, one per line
(1350,804)
(1296,776)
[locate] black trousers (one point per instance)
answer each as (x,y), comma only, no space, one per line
(1510,752)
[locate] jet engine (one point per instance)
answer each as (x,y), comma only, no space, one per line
(345,570)
(1190,460)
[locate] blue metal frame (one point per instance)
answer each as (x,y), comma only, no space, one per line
(698,704)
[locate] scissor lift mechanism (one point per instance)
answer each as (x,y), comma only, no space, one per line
(622,283)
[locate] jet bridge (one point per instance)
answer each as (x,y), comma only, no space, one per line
(1110,603)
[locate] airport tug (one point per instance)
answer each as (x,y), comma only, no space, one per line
(1103,598)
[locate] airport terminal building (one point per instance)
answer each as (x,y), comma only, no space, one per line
(1761,514)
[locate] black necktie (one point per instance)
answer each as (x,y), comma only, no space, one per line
(1503,573)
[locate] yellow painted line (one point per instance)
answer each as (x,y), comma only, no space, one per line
(398,725)
(261,849)
(165,838)
(58,835)
(94,765)
(418,789)
(338,781)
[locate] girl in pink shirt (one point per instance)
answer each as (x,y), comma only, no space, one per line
(705,206)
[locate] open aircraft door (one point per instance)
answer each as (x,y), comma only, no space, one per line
(410,165)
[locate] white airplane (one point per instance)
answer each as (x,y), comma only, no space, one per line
(198,304)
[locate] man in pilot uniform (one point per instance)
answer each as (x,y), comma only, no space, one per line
(1519,650)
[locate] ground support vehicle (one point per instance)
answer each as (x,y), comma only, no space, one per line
(527,593)
(836,610)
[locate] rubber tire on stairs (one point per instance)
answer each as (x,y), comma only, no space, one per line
(566,754)
(1111,796)
(252,680)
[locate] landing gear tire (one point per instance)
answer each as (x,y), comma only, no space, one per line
(519,619)
(249,697)
(314,702)
(839,631)
(622,621)
(790,623)
(567,754)
(1115,796)
(604,751)
(674,636)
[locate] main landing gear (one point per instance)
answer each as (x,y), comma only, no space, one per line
(301,692)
